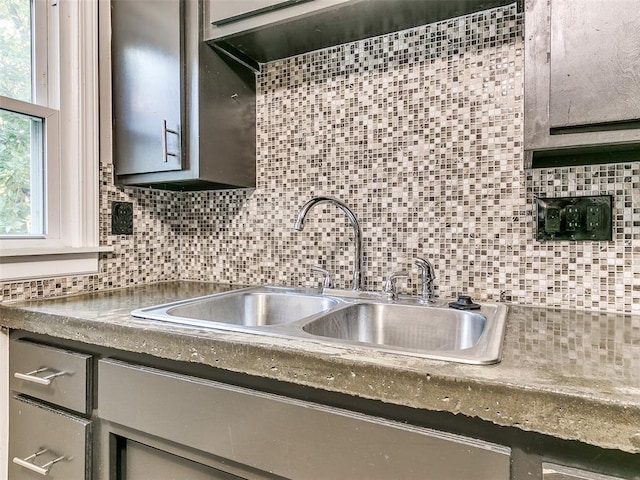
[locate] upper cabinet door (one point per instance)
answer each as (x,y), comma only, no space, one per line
(595,62)
(146,74)
(582,82)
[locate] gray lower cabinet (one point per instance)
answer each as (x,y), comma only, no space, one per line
(46,442)
(53,375)
(45,439)
(261,435)
(94,416)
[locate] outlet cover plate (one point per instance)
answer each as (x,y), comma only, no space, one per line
(574,218)
(121,218)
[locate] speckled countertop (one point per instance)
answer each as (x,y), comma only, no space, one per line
(572,375)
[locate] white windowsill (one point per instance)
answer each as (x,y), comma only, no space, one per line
(24,264)
(29,252)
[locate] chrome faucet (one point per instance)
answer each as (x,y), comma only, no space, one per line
(357,232)
(427,277)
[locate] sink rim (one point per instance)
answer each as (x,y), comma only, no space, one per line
(487,350)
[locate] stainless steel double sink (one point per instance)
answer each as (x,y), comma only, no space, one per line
(402,326)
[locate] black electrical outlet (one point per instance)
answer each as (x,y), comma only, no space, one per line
(553,220)
(574,218)
(121,218)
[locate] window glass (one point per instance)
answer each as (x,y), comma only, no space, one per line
(21,140)
(15,45)
(21,174)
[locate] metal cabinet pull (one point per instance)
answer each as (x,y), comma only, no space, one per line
(28,464)
(32,377)
(165,153)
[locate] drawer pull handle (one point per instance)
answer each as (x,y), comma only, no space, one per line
(32,376)
(42,470)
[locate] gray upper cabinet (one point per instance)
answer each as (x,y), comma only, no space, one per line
(582,80)
(183,114)
(147,75)
(595,66)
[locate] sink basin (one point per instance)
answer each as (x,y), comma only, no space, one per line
(252,308)
(362,319)
(434,332)
(403,326)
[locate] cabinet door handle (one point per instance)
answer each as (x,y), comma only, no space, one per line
(32,376)
(166,154)
(28,464)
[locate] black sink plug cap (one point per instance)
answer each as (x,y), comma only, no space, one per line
(464,302)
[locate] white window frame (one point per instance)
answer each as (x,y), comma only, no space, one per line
(66,91)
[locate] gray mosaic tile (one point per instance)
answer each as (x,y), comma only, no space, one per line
(420,132)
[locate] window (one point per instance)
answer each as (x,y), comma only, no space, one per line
(27,148)
(48,138)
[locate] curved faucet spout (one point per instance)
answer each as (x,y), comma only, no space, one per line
(299,225)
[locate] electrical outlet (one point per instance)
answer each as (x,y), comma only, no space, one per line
(121,218)
(552,222)
(594,217)
(575,218)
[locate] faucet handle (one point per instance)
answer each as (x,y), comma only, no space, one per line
(424,265)
(389,286)
(327,276)
(427,277)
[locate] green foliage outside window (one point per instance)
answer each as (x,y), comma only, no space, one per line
(15,130)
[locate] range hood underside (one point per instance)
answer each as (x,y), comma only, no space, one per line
(349,22)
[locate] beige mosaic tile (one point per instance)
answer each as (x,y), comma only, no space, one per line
(420,132)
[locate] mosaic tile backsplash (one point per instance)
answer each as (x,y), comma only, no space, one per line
(420,132)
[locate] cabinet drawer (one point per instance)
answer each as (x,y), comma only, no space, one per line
(62,438)
(283,436)
(51,374)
